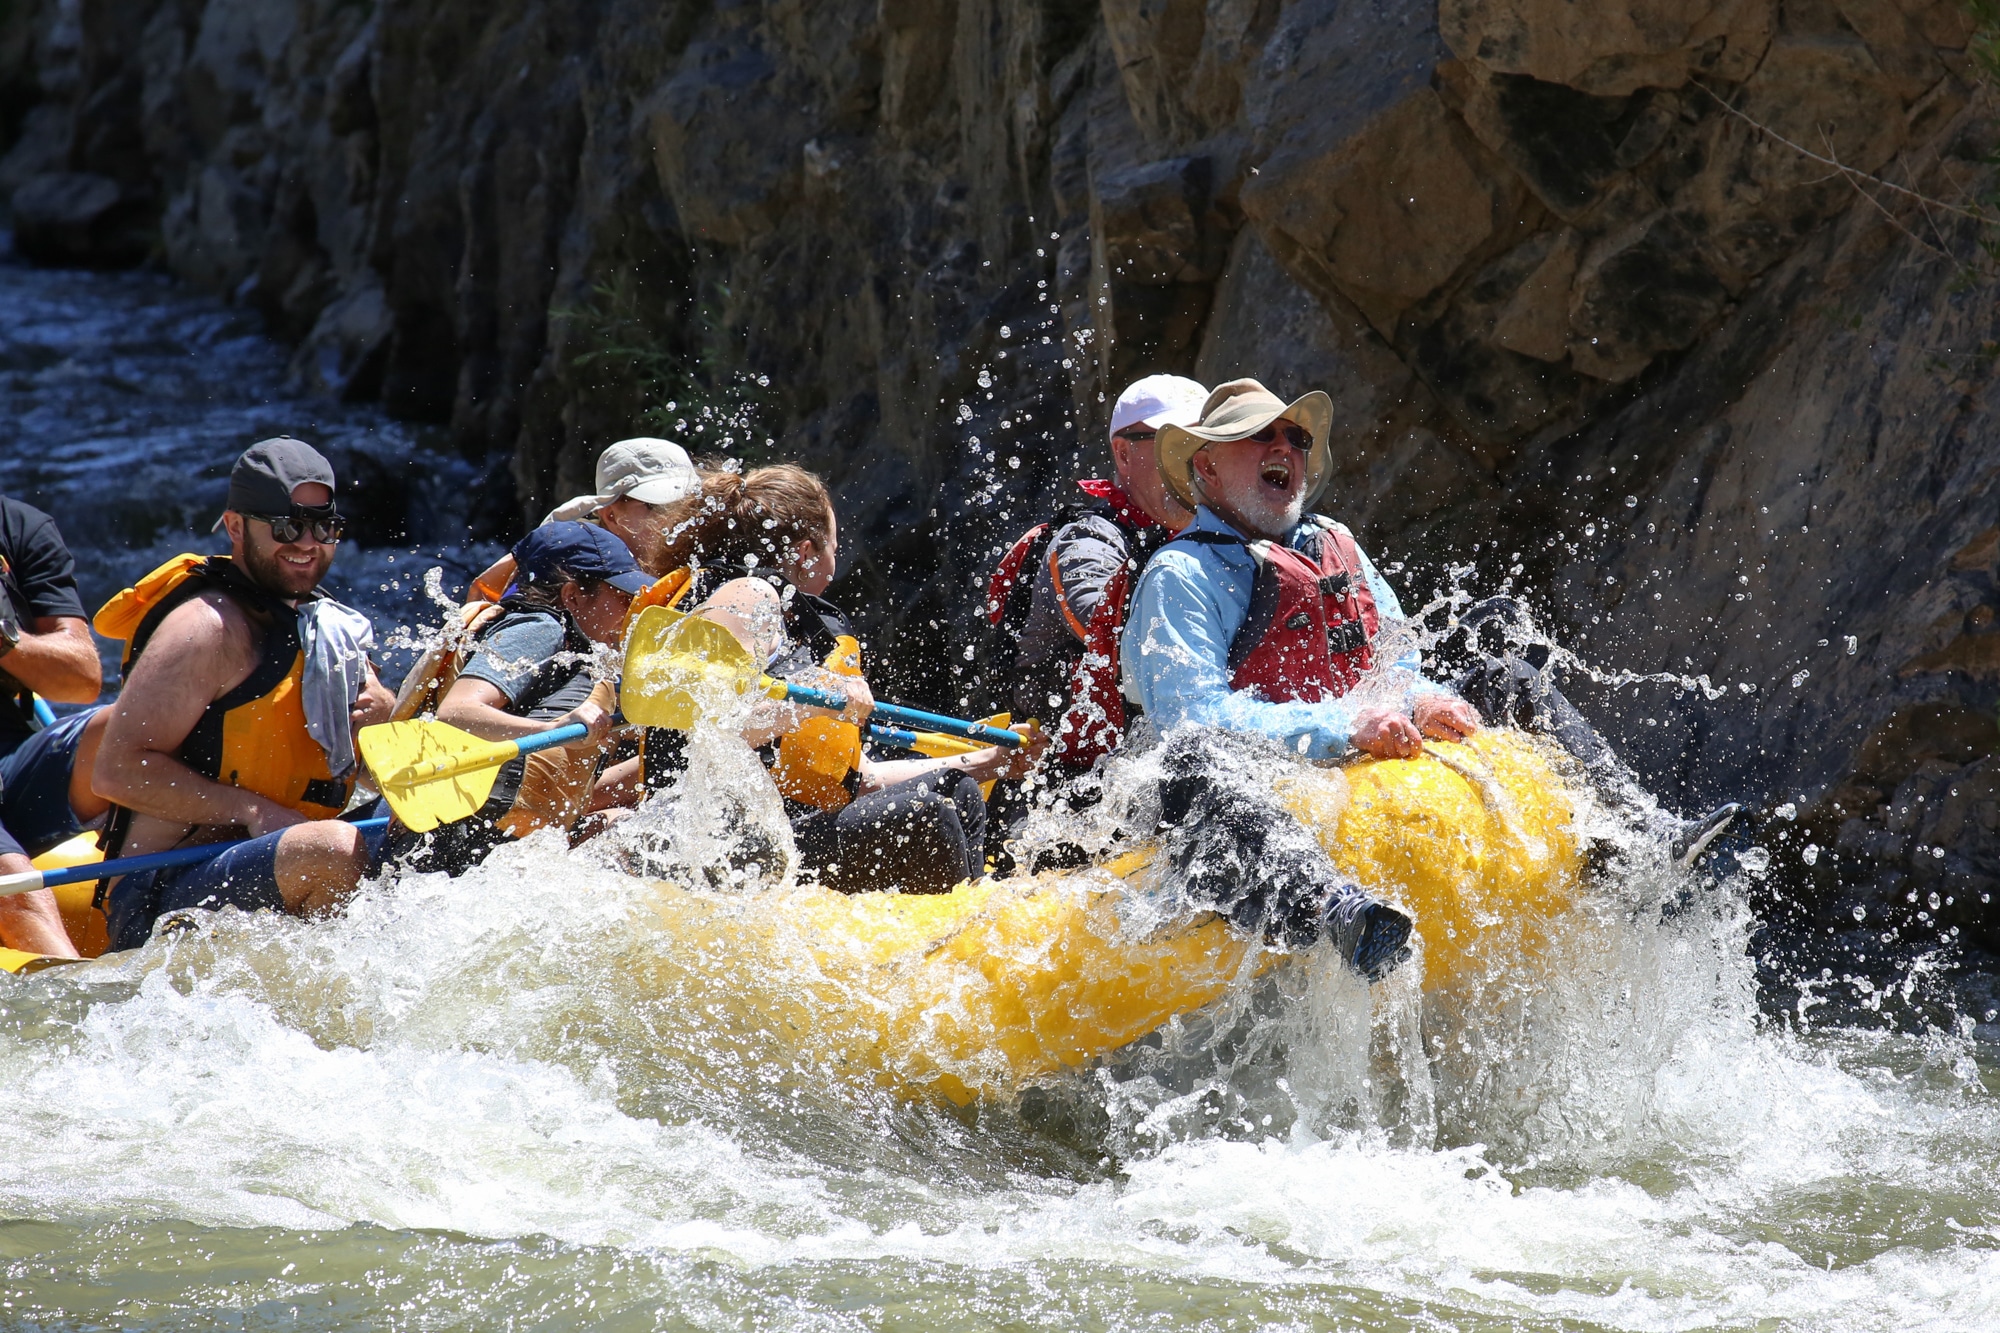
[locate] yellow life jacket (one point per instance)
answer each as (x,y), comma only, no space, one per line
(669,590)
(254,737)
(814,760)
(555,784)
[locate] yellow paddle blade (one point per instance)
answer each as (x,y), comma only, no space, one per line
(432,772)
(679,667)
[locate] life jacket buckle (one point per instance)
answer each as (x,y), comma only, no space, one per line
(1346,637)
(1334,585)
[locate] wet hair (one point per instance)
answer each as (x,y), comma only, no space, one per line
(688,526)
(769,513)
(546,594)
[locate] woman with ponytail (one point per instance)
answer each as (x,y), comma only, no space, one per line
(768,543)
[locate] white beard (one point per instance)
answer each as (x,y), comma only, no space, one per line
(1270,520)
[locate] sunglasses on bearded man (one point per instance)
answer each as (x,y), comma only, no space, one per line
(1297,436)
(323,521)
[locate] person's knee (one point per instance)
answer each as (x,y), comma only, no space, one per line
(319,862)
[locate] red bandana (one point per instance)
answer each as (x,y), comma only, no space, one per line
(1121,504)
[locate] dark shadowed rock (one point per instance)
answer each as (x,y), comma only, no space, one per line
(74,217)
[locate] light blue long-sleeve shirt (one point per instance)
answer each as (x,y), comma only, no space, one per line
(1193,598)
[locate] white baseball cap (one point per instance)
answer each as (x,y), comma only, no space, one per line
(1159,400)
(654,472)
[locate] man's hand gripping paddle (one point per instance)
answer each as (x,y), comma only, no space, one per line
(433,773)
(678,668)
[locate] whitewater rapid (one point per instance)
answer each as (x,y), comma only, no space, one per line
(477,1104)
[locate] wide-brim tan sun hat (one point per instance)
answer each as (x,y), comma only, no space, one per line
(1236,411)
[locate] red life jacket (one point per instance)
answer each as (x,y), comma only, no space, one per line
(1094,723)
(1312,620)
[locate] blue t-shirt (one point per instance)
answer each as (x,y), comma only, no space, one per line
(523,655)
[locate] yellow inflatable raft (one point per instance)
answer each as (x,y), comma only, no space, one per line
(998,983)
(1001,982)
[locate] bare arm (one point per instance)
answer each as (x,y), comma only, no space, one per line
(621,785)
(748,609)
(984,765)
(479,706)
(201,651)
(374,704)
(57,660)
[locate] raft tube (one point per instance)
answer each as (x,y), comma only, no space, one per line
(998,983)
(1002,982)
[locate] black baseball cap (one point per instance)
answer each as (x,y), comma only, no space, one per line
(269,471)
(556,552)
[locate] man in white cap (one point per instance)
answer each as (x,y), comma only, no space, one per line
(1059,595)
(637,479)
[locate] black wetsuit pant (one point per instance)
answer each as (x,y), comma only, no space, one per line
(920,836)
(1231,848)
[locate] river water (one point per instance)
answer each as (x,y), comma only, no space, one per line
(477,1104)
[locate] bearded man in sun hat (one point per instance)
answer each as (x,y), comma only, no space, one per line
(1249,631)
(1261,618)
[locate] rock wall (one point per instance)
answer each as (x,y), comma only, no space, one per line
(1604,307)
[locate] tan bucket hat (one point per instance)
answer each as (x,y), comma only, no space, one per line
(1236,411)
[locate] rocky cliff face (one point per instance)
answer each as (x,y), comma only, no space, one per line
(1610,298)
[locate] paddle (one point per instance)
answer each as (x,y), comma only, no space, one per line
(433,773)
(671,659)
(27,881)
(930,744)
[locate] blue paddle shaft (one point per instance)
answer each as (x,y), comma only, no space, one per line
(575,731)
(180,856)
(915,717)
(43,713)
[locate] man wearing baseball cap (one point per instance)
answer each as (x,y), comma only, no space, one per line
(243,690)
(1059,595)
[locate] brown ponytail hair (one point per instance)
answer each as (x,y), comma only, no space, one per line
(777,509)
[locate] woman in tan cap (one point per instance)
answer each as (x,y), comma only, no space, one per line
(645,487)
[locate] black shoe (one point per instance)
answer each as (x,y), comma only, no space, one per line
(1372,936)
(1695,835)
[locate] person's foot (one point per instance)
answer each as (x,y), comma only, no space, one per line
(1695,835)
(1372,936)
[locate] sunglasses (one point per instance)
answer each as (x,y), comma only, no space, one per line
(325,525)
(1297,436)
